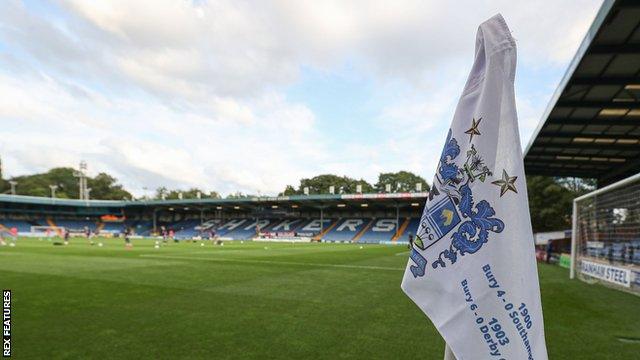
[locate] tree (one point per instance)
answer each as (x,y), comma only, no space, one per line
(289,190)
(214,195)
(38,184)
(551,200)
(401,181)
(103,186)
(578,185)
(239,195)
(186,194)
(320,185)
(550,203)
(4,184)
(160,192)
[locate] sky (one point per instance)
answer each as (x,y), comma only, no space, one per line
(253,95)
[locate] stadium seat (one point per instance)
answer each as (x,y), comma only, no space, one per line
(21,225)
(382,229)
(412,229)
(346,229)
(248,229)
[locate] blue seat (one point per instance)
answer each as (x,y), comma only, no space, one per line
(346,229)
(21,225)
(381,230)
(248,229)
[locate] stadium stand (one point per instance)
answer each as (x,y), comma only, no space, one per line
(318,228)
(380,230)
(315,227)
(230,225)
(351,229)
(23,226)
(75,225)
(142,228)
(362,230)
(248,229)
(412,229)
(346,229)
(285,225)
(208,225)
(112,227)
(362,218)
(185,229)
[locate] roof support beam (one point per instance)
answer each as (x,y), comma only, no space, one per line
(552,134)
(628,4)
(629,167)
(598,104)
(546,171)
(540,149)
(615,49)
(602,165)
(598,121)
(622,81)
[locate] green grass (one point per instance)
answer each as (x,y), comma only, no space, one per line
(319,301)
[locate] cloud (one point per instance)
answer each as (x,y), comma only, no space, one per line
(194,93)
(247,146)
(190,50)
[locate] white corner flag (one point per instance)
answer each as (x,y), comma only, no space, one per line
(472,266)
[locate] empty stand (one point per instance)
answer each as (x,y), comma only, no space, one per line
(380,230)
(21,225)
(248,229)
(346,229)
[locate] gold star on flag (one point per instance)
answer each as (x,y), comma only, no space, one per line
(506,183)
(474,129)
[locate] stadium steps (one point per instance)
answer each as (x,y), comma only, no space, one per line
(55,227)
(402,229)
(364,230)
(325,231)
(99,227)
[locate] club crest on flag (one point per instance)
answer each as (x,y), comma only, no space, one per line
(452,208)
(437,221)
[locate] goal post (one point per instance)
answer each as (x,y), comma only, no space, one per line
(605,237)
(44,229)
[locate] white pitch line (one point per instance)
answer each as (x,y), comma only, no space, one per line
(366,267)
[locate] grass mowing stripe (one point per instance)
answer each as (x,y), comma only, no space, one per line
(87,302)
(363,267)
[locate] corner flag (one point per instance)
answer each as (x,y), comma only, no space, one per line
(472,267)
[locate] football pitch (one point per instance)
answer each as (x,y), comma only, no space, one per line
(263,301)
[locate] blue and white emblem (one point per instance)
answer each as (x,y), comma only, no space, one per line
(454,210)
(437,221)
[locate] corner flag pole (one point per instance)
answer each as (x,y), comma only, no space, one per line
(448,354)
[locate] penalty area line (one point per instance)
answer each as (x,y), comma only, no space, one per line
(345,266)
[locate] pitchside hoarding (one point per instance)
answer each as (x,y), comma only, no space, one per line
(612,274)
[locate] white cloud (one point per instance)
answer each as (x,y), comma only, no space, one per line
(175,47)
(185,93)
(248,146)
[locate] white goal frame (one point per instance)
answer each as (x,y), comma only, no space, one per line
(575,230)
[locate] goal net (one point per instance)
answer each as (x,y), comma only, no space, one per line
(606,235)
(47,230)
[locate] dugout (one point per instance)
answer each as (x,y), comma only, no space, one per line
(591,129)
